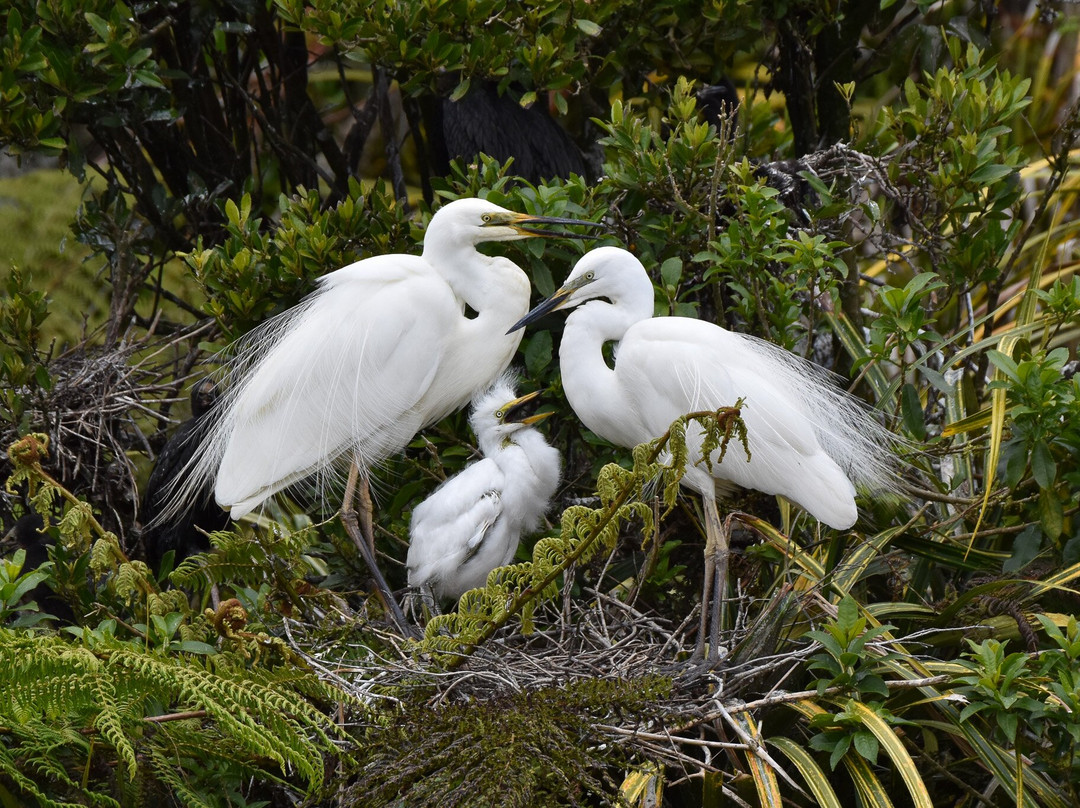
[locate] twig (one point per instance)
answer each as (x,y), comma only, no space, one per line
(161,719)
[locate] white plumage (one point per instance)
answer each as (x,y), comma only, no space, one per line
(472,523)
(809,441)
(380,350)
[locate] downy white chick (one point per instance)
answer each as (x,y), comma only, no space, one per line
(472,523)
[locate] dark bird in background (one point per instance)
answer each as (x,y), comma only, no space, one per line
(719,105)
(181,532)
(485,122)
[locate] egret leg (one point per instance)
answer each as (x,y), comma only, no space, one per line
(719,544)
(367,549)
(714,587)
(421,604)
(367,520)
(706,596)
(428,596)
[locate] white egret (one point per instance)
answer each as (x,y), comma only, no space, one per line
(809,441)
(472,523)
(381,349)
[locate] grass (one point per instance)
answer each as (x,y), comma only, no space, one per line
(37,210)
(36,213)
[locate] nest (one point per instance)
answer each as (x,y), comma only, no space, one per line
(102,405)
(596,638)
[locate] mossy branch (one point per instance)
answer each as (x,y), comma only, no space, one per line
(78,526)
(516,590)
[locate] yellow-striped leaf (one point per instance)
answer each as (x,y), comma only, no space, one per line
(815,778)
(894,747)
(768,789)
(644,787)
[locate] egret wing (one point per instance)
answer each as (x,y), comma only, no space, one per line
(671,366)
(343,374)
(449,527)
(683,365)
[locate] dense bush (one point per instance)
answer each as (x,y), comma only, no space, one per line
(893,201)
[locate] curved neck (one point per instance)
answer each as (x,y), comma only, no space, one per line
(607,320)
(527,439)
(591,386)
(486,284)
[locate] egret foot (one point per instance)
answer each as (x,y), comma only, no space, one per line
(422,604)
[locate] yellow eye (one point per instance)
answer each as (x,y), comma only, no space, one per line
(499,413)
(486,217)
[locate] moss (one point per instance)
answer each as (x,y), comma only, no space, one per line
(539,747)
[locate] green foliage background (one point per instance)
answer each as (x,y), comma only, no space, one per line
(923,247)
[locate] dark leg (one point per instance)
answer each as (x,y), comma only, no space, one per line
(366,545)
(718,543)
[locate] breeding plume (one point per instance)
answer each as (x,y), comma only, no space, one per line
(472,523)
(809,441)
(380,350)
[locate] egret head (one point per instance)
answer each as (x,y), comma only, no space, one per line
(603,272)
(497,414)
(477,220)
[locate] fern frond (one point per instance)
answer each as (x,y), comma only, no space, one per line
(584,532)
(27,761)
(259,713)
(108,722)
(170,771)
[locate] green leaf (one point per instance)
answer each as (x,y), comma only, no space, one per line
(1043,467)
(26,583)
(866,745)
(839,751)
(1005,363)
(1026,547)
(99,24)
(538,353)
(1008,722)
(912,411)
(1051,514)
(461,90)
(671,272)
(991,173)
(588,27)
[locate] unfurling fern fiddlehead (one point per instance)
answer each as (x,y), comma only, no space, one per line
(518,588)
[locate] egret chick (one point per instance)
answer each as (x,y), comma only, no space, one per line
(472,523)
(808,441)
